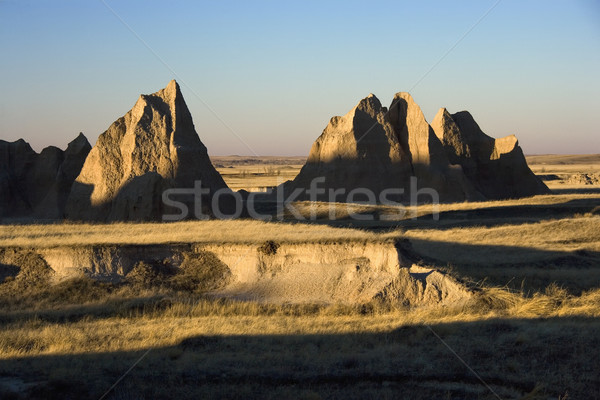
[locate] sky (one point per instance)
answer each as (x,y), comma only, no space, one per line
(265,77)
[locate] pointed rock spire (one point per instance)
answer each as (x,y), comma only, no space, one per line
(357,150)
(152,147)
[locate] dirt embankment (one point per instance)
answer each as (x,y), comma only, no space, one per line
(345,272)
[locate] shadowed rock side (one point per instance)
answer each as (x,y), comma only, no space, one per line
(375,149)
(430,164)
(151,148)
(38,185)
(496,167)
(359,150)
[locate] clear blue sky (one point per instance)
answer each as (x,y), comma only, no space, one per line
(275,72)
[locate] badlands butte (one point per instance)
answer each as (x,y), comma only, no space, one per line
(155,147)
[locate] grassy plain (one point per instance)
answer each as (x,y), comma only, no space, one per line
(256,174)
(531,331)
(233,231)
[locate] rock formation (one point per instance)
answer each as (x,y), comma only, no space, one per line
(151,148)
(376,149)
(370,154)
(360,149)
(37,185)
(429,163)
(496,167)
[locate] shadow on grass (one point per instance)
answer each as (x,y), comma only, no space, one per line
(64,312)
(375,219)
(504,215)
(580,190)
(549,357)
(520,268)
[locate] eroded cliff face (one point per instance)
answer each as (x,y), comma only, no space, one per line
(379,149)
(345,272)
(358,150)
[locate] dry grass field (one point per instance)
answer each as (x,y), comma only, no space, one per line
(230,231)
(530,331)
(567,172)
(256,174)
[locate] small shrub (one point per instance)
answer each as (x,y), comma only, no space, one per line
(147,275)
(34,275)
(200,272)
(494,299)
(77,291)
(269,248)
(33,269)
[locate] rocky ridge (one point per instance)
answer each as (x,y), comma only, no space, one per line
(380,150)
(37,185)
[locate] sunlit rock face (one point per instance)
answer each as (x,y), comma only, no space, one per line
(153,147)
(358,150)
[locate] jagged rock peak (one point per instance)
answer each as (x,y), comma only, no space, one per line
(154,146)
(372,148)
(496,167)
(170,94)
(369,105)
(78,143)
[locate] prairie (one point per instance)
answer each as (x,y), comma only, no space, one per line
(529,331)
(256,174)
(237,231)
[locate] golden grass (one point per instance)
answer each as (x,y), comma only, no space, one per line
(233,231)
(393,214)
(158,327)
(57,342)
(82,336)
(561,163)
(527,256)
(570,234)
(251,231)
(541,200)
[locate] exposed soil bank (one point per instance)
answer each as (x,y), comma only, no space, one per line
(344,272)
